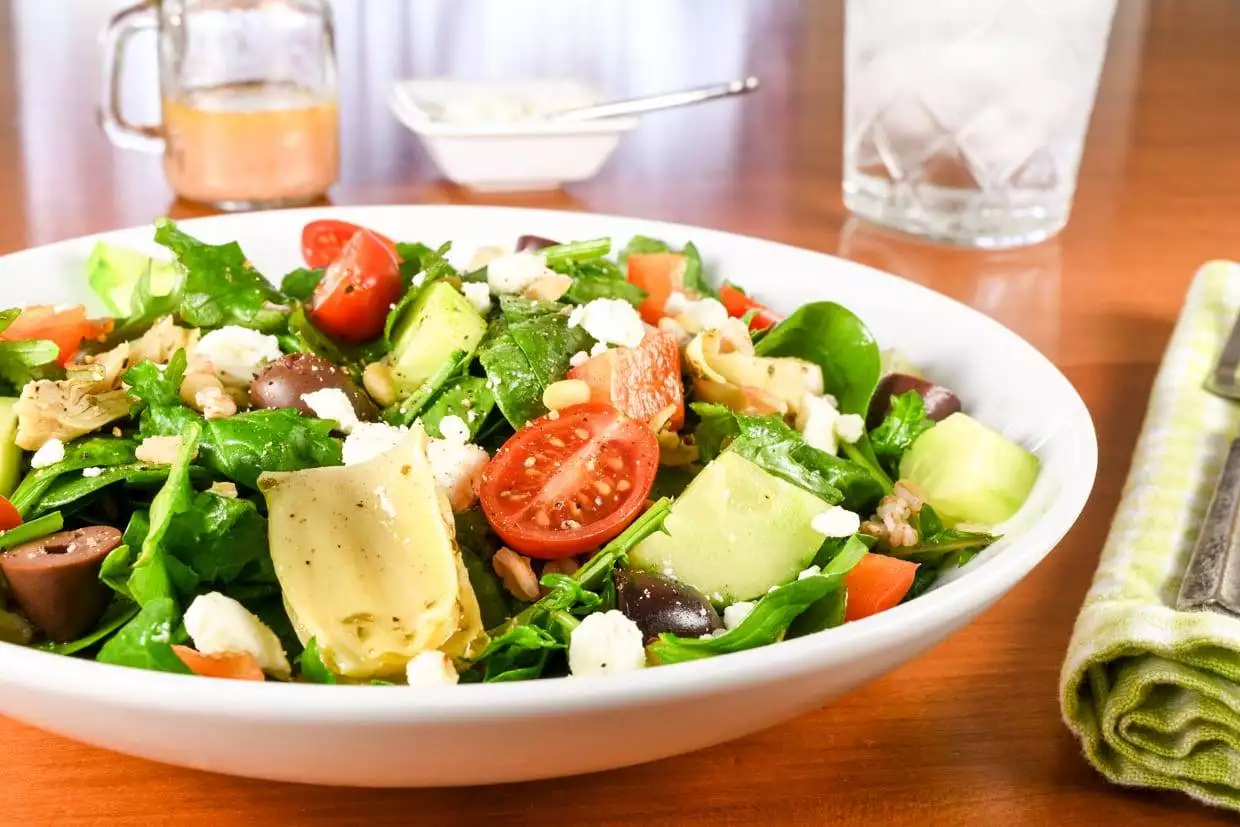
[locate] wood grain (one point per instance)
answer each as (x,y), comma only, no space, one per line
(967,734)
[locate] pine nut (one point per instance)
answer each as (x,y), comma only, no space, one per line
(565,394)
(379,383)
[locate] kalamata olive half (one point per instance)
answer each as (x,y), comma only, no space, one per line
(939,401)
(282,383)
(533,243)
(660,604)
(55,580)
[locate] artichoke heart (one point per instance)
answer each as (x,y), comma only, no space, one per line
(784,380)
(368,562)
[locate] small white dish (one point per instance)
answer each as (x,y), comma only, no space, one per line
(488,733)
(506,146)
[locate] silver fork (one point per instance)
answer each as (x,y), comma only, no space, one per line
(1212,579)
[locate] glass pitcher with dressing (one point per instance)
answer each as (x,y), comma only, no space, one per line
(248,89)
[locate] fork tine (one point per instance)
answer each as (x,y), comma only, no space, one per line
(1223,381)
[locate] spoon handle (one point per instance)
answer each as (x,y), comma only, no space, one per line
(669,100)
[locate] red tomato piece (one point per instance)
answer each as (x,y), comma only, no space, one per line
(738,304)
(570,482)
(352,301)
(322,241)
(9,515)
(236,665)
(660,275)
(638,381)
(876,584)
(65,326)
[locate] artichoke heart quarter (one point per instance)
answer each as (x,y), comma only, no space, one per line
(368,562)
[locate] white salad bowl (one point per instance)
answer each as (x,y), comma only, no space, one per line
(477,734)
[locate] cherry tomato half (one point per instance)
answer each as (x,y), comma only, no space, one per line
(568,484)
(352,301)
(737,303)
(322,241)
(9,515)
(65,326)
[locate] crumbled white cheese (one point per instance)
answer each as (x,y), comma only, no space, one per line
(579,358)
(606,643)
(454,429)
(368,440)
(219,625)
(477,294)
(431,668)
(513,272)
(850,427)
(598,348)
(332,403)
(703,314)
(677,303)
(836,522)
(49,453)
(237,354)
(92,472)
(812,571)
(735,614)
(418,280)
(816,421)
(457,468)
(612,321)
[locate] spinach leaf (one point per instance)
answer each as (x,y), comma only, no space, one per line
(600,279)
(766,624)
(492,602)
(117,567)
(31,530)
(300,283)
(521,653)
(899,429)
(558,255)
(409,408)
(643,244)
(940,545)
(156,573)
(831,337)
(146,641)
(861,454)
(414,253)
(517,389)
(88,452)
(923,579)
(771,445)
(242,447)
(311,664)
(828,612)
(671,481)
(548,344)
(695,276)
(118,613)
(24,359)
(304,337)
(70,492)
(516,309)
(222,539)
(221,287)
(465,396)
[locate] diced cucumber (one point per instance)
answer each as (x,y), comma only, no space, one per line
(113,271)
(970,473)
(10,454)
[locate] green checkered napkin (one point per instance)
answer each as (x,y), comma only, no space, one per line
(1154,693)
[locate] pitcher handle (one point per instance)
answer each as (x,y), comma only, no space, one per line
(124,25)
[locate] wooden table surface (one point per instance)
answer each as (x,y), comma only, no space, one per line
(967,734)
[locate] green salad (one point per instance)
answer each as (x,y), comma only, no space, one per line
(561,459)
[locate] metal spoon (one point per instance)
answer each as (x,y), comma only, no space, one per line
(668,100)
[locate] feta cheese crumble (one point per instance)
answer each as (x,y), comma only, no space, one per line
(457,468)
(735,614)
(578,359)
(431,668)
(454,429)
(332,403)
(368,440)
(850,427)
(237,353)
(704,314)
(598,348)
(836,522)
(610,321)
(49,453)
(219,625)
(606,643)
(816,421)
(92,472)
(513,272)
(812,571)
(477,294)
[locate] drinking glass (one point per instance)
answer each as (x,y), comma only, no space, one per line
(964,120)
(248,92)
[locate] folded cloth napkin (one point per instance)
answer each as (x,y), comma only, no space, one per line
(1154,693)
